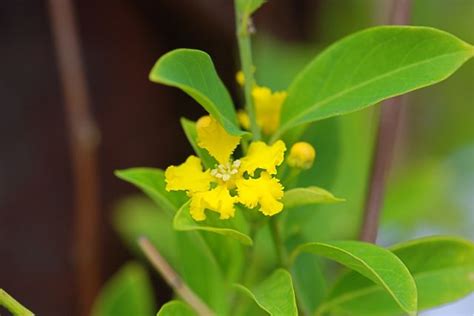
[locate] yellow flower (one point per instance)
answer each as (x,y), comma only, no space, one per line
(267,108)
(231,181)
(301,155)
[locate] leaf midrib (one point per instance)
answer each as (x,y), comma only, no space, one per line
(383,284)
(375,287)
(362,84)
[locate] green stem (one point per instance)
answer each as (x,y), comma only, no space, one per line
(245,52)
(13,305)
(278,242)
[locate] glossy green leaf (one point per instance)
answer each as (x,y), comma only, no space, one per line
(247,7)
(375,263)
(443,269)
(184,222)
(129,292)
(152,182)
(275,294)
(368,67)
(176,308)
(193,72)
(308,196)
(189,128)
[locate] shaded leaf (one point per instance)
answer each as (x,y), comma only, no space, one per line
(184,222)
(308,196)
(176,308)
(129,292)
(193,72)
(152,182)
(275,294)
(308,278)
(375,263)
(368,67)
(135,217)
(443,269)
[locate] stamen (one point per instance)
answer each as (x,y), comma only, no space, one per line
(226,171)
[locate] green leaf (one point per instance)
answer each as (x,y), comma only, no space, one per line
(152,182)
(368,67)
(247,7)
(184,222)
(308,277)
(129,292)
(189,128)
(137,216)
(308,196)
(193,72)
(443,269)
(275,294)
(375,263)
(176,308)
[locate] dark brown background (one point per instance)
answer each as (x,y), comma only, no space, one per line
(138,121)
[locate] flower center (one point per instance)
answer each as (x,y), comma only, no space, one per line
(225,171)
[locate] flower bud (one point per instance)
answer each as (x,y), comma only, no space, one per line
(301,156)
(244,119)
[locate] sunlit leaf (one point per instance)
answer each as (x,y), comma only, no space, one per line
(193,72)
(443,269)
(375,263)
(275,294)
(368,67)
(308,196)
(184,222)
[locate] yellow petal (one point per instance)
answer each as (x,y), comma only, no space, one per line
(268,108)
(218,200)
(188,176)
(264,191)
(213,137)
(263,156)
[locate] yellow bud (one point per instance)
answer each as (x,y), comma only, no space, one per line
(244,119)
(301,156)
(240,78)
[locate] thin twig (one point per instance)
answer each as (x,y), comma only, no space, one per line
(244,29)
(173,279)
(386,137)
(83,142)
(13,305)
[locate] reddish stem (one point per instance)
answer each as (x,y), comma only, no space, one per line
(386,138)
(83,141)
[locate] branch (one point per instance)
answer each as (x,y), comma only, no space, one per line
(13,305)
(173,279)
(83,141)
(386,137)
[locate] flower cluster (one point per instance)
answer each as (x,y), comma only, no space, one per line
(250,180)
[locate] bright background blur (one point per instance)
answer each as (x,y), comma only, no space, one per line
(431,187)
